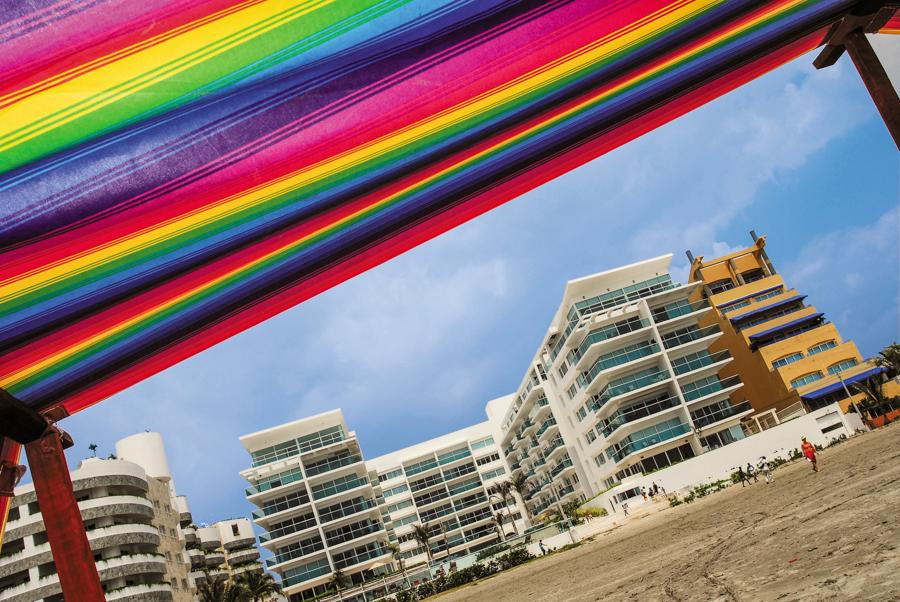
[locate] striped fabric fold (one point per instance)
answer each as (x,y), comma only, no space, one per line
(173,172)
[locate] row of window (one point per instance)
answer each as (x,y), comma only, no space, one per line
(742,304)
(796,356)
(817,375)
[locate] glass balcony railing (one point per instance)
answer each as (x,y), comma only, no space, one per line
(670,312)
(561,466)
(710,388)
(338,486)
(609,332)
(454,456)
(351,532)
(420,467)
(629,446)
(283,478)
(337,511)
(542,401)
(706,416)
(306,573)
(618,358)
(546,425)
(627,385)
(675,340)
(283,503)
(553,445)
(298,524)
(331,464)
(565,491)
(297,550)
(373,550)
(636,412)
(699,362)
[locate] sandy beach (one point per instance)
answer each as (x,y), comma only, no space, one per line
(830,535)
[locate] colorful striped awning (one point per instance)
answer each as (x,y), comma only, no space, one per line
(173,172)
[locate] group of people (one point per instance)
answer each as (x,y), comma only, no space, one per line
(744,475)
(654,491)
(752,472)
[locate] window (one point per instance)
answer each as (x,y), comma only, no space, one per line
(788,359)
(720,286)
(599,460)
(591,436)
(491,474)
(391,474)
(573,390)
(841,366)
(563,368)
(582,413)
(820,347)
(399,506)
(806,379)
(488,459)
(396,490)
(406,520)
(234,530)
(483,443)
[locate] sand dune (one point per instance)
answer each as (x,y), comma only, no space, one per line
(830,535)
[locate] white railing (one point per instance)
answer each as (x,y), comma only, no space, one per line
(138,590)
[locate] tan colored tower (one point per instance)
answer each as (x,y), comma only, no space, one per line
(784,349)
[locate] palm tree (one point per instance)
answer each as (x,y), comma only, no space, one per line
(875,402)
(498,520)
(394,549)
(422,533)
(259,586)
(93,448)
(889,359)
(338,579)
(218,589)
(504,490)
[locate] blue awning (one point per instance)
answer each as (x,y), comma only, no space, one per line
(767,308)
(832,388)
(756,294)
(755,338)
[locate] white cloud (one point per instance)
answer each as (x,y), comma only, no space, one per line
(852,274)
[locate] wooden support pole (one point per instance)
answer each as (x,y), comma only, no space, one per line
(72,553)
(44,447)
(876,80)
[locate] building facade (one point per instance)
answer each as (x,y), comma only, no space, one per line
(784,349)
(318,503)
(324,508)
(624,382)
(129,529)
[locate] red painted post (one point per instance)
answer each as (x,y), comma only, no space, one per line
(65,530)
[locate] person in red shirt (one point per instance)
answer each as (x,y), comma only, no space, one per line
(809,450)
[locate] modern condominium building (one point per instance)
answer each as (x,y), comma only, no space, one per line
(319,504)
(624,382)
(447,482)
(326,509)
(784,349)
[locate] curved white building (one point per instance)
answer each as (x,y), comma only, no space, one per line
(128,530)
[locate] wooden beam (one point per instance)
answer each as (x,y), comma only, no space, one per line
(876,80)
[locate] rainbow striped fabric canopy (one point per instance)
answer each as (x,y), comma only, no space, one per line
(173,172)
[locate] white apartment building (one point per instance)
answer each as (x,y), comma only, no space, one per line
(623,383)
(325,509)
(223,550)
(318,503)
(132,521)
(447,483)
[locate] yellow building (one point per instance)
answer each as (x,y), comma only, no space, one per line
(784,349)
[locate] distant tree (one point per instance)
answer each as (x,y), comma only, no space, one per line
(259,586)
(889,359)
(422,533)
(338,581)
(498,521)
(875,403)
(504,491)
(93,448)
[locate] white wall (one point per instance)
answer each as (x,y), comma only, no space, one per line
(720,463)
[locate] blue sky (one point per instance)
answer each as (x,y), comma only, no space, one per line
(416,347)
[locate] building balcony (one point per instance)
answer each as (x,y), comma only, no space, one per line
(693,339)
(605,338)
(214,559)
(718,413)
(635,414)
(198,558)
(347,511)
(561,467)
(280,510)
(701,366)
(610,366)
(353,532)
(346,486)
(279,484)
(357,559)
(330,467)
(630,446)
(308,549)
(282,535)
(149,592)
(629,388)
(712,390)
(682,314)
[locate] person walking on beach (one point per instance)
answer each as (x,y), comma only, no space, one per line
(655,488)
(543,549)
(766,470)
(625,508)
(644,493)
(809,450)
(742,476)
(751,472)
